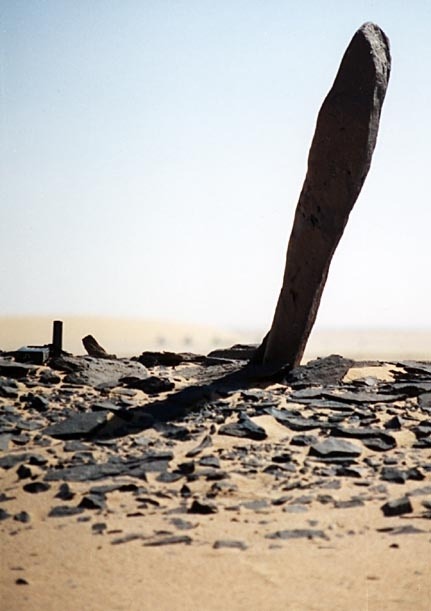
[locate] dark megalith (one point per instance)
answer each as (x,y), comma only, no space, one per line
(338,163)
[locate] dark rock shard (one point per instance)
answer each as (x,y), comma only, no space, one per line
(10,460)
(210,461)
(335,448)
(11,369)
(295,423)
(298,533)
(238,352)
(93,501)
(203,508)
(8,388)
(166,359)
(36,487)
(256,505)
(4,442)
(169,477)
(373,438)
(24,472)
(245,428)
(423,429)
(22,517)
(136,467)
(151,386)
(93,348)
(419,368)
(397,507)
(169,540)
(338,163)
(357,472)
(78,425)
(64,492)
(364,397)
(21,582)
(127,538)
(295,509)
(172,431)
(4,514)
(182,524)
(349,504)
(395,423)
(98,528)
(38,402)
(324,371)
(204,444)
(64,511)
(407,529)
(98,373)
(4,497)
(49,377)
(230,544)
(395,476)
(109,406)
(303,440)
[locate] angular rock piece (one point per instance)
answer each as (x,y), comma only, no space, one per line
(230,544)
(335,448)
(397,507)
(151,386)
(93,348)
(338,163)
(169,540)
(78,425)
(245,427)
(298,533)
(12,369)
(205,443)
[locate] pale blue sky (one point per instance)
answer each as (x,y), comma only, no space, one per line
(152,154)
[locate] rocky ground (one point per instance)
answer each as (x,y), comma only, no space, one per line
(179,450)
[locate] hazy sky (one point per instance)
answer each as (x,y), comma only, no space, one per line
(152,154)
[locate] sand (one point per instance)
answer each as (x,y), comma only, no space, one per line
(361,563)
(128,337)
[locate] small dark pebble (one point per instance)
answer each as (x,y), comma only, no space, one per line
(170,540)
(24,472)
(64,492)
(348,504)
(202,508)
(229,544)
(126,538)
(62,511)
(93,501)
(36,487)
(4,514)
(298,533)
(23,517)
(182,524)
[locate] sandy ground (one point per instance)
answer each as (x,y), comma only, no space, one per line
(69,568)
(363,563)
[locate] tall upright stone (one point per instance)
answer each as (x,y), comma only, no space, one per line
(338,163)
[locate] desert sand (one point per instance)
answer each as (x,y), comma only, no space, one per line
(230,523)
(128,337)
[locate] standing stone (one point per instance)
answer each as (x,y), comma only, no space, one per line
(338,163)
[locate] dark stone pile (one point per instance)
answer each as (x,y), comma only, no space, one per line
(84,428)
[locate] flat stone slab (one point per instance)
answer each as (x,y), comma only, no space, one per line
(335,448)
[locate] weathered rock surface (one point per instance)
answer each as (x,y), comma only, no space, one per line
(338,163)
